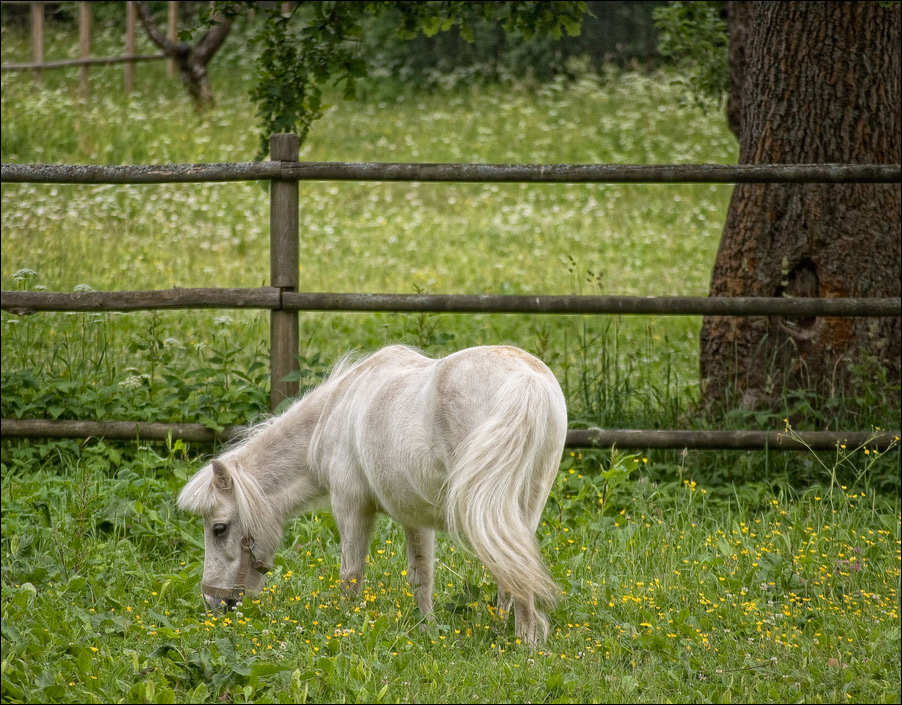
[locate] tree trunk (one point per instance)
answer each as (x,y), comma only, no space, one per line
(739,19)
(191,60)
(815,82)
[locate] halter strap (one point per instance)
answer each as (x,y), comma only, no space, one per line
(248,560)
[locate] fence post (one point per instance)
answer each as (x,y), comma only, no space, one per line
(131,20)
(284,267)
(37,40)
(84,44)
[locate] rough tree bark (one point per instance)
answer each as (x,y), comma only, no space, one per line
(739,20)
(191,60)
(811,82)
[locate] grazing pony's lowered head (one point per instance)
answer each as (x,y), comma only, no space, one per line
(241,531)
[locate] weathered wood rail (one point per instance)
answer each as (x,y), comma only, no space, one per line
(576,438)
(273,298)
(292,170)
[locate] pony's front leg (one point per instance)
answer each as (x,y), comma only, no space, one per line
(504,603)
(354,525)
(421,566)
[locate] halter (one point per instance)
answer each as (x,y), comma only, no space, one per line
(248,560)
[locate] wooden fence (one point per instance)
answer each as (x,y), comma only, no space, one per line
(38,65)
(284,301)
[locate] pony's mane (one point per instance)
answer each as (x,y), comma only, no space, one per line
(243,434)
(345,367)
(351,361)
(345,364)
(256,515)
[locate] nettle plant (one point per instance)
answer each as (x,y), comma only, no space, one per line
(142,366)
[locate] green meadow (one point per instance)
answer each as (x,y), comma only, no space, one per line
(685,576)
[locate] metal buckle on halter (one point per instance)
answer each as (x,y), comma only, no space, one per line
(249,560)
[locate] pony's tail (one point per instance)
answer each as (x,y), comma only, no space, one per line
(499,480)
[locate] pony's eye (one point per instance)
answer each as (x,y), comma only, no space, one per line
(220,529)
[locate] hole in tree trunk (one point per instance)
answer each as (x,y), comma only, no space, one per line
(802,281)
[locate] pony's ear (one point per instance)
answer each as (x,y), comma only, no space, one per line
(222,478)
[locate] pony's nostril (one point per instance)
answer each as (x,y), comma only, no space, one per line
(230,604)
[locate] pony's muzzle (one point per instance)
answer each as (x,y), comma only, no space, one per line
(229,598)
(224,604)
(222,599)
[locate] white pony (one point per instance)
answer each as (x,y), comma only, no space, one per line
(468,444)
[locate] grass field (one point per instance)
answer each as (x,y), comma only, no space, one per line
(669,592)
(685,577)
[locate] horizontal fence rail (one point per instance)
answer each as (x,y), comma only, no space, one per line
(576,438)
(663,305)
(598,173)
(27,302)
(148,174)
(729,440)
(66,63)
(489,173)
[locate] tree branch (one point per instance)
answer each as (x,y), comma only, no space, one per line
(211,41)
(168,47)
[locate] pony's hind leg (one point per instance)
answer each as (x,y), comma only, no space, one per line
(530,624)
(421,566)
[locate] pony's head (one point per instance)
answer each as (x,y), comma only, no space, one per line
(241,534)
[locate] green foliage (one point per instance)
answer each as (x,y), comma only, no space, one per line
(318,44)
(694,34)
(437,238)
(610,32)
(629,372)
(97,366)
(668,592)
